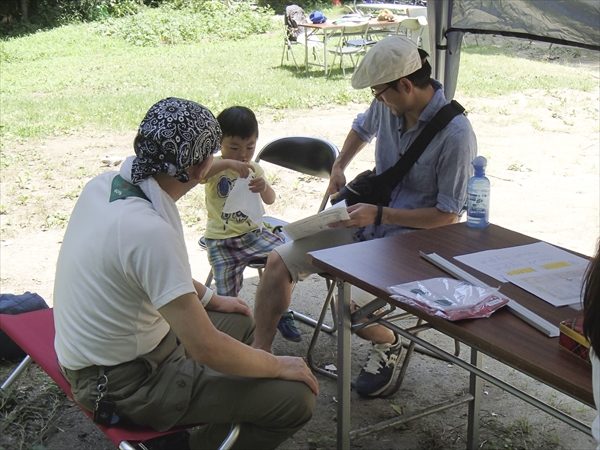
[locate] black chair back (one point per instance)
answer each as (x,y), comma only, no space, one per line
(309,155)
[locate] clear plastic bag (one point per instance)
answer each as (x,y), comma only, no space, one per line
(449,298)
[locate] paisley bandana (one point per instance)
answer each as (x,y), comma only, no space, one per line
(175,134)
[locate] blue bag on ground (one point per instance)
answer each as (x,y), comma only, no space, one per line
(317,17)
(17,304)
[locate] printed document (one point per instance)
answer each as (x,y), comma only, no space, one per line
(546,271)
(318,222)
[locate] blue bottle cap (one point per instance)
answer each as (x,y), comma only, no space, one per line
(480,161)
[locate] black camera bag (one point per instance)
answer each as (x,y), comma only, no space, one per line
(368,187)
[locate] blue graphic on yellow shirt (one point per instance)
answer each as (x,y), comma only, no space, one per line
(224,187)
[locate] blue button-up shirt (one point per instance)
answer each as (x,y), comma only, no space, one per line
(440,175)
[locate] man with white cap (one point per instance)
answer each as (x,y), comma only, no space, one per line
(433,193)
(139,339)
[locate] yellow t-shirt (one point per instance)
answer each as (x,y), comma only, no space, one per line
(217,188)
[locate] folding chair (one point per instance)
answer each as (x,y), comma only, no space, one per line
(34,333)
(343,48)
(307,155)
(311,156)
(416,28)
(293,36)
(288,45)
(378,32)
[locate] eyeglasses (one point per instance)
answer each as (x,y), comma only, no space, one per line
(376,94)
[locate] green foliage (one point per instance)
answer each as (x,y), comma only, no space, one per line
(44,14)
(193,23)
(152,20)
(489,70)
(71,80)
(90,10)
(308,5)
(75,79)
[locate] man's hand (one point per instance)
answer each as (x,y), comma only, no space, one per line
(242,168)
(221,303)
(361,215)
(257,185)
(337,180)
(295,369)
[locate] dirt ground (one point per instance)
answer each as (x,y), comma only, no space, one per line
(543,163)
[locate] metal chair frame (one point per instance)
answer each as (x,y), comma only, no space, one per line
(288,47)
(34,333)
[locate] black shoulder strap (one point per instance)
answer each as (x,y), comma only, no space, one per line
(394,174)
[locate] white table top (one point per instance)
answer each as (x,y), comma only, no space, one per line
(391,6)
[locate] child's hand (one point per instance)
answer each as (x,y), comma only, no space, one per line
(257,185)
(242,168)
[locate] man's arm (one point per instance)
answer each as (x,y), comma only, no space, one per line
(352,145)
(363,214)
(222,303)
(221,352)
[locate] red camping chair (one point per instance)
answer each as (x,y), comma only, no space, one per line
(34,333)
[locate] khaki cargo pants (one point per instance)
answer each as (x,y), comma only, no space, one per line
(165,388)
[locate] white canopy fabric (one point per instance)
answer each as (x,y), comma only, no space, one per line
(565,22)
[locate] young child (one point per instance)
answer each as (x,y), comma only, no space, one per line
(232,239)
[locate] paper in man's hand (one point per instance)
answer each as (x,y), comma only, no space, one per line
(318,222)
(243,200)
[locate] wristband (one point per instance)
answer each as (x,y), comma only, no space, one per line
(207,297)
(379,215)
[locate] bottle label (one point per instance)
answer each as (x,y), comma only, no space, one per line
(477,206)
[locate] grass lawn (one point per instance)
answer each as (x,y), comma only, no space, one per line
(72,79)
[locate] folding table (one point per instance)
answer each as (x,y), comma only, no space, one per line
(377,264)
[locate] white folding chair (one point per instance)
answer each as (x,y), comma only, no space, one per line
(343,48)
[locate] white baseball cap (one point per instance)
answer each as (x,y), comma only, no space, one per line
(391,58)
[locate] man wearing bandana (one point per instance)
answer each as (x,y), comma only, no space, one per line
(136,336)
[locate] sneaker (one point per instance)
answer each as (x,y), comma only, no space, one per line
(287,327)
(378,372)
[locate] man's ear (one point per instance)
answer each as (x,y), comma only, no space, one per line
(198,172)
(405,85)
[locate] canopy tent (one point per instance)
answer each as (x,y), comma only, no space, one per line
(565,22)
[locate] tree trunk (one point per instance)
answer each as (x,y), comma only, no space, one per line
(24,11)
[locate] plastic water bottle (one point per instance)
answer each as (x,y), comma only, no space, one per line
(478,199)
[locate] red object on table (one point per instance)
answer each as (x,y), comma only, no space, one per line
(571,338)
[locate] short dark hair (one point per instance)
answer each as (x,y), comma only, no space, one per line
(422,77)
(238,121)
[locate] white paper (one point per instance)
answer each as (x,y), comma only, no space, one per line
(548,272)
(318,222)
(242,199)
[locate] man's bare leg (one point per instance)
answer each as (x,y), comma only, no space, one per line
(273,297)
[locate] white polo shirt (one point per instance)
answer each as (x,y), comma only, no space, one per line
(118,264)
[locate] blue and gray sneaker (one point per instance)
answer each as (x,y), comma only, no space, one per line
(287,327)
(378,372)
